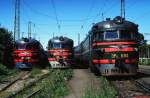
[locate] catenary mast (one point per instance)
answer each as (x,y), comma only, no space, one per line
(17,20)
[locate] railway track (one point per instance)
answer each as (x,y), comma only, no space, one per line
(144,71)
(20,83)
(143,85)
(34,93)
(132,87)
(129,89)
(8,83)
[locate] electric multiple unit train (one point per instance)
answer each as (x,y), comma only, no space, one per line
(60,52)
(111,47)
(29,52)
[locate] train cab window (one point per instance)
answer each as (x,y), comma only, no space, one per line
(65,46)
(16,46)
(111,35)
(125,35)
(29,47)
(35,46)
(56,45)
(50,45)
(135,36)
(99,36)
(21,46)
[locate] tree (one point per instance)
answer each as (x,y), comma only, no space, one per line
(6,47)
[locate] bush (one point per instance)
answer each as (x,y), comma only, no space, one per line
(3,70)
(6,47)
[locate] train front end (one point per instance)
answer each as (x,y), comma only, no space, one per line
(24,56)
(60,52)
(115,47)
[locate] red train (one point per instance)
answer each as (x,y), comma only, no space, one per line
(29,52)
(111,47)
(60,52)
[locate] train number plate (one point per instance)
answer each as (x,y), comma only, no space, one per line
(120,55)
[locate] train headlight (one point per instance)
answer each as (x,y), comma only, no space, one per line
(102,50)
(107,25)
(28,58)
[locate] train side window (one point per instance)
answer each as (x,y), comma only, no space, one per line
(99,36)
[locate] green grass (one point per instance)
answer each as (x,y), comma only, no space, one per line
(105,90)
(34,72)
(54,86)
(6,73)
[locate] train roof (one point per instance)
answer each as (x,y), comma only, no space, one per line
(118,23)
(26,40)
(61,39)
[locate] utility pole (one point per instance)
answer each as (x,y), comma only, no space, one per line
(103,16)
(29,29)
(78,38)
(123,9)
(53,34)
(59,27)
(17,20)
(22,34)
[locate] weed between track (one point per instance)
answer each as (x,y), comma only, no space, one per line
(53,86)
(104,90)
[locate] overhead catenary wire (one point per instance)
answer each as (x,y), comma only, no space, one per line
(56,16)
(35,11)
(143,15)
(90,11)
(100,11)
(72,20)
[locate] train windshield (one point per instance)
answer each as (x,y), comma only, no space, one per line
(20,46)
(125,35)
(111,35)
(67,46)
(56,45)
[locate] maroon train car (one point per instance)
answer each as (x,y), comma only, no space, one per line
(29,52)
(60,52)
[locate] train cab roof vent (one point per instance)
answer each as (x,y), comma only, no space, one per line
(61,38)
(118,19)
(108,19)
(25,39)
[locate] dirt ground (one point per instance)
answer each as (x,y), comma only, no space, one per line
(81,80)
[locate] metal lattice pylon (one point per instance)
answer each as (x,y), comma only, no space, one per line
(123,8)
(17,20)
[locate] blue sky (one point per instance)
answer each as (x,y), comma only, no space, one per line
(72,15)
